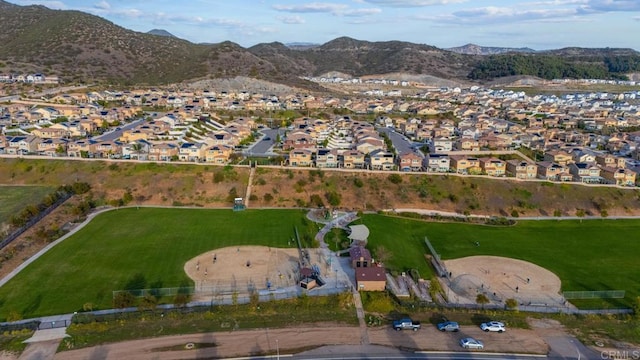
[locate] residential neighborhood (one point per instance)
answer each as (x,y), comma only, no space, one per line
(586,137)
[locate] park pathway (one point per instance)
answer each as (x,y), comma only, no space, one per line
(248,193)
(364,333)
(342,222)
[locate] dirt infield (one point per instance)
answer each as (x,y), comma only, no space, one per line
(244,268)
(503,278)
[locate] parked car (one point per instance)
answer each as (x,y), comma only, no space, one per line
(449,326)
(471,343)
(495,326)
(406,324)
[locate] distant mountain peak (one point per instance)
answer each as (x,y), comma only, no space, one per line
(473,49)
(159,32)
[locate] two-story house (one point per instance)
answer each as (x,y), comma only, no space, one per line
(554,172)
(493,166)
(585,172)
(327,158)
(521,169)
(353,159)
(410,161)
(437,163)
(559,157)
(163,151)
(218,154)
(381,160)
(619,176)
(463,164)
(301,157)
(192,152)
(81,148)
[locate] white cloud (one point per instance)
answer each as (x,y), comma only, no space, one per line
(611,5)
(328,8)
(412,3)
(554,3)
(315,7)
(291,19)
(492,15)
(103,5)
(361,12)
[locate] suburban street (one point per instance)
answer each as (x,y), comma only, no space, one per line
(262,147)
(400,142)
(115,134)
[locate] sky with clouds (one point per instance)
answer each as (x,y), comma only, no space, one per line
(538,24)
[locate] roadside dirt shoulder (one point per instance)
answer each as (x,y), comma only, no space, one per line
(268,341)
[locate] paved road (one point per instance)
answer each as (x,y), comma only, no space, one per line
(400,142)
(264,145)
(113,135)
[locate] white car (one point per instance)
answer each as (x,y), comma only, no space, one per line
(471,343)
(495,326)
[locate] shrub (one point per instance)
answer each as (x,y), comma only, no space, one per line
(123,299)
(511,304)
(333,198)
(395,178)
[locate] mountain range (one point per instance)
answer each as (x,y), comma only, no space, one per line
(80,47)
(473,49)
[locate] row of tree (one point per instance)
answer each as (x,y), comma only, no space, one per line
(554,67)
(31,211)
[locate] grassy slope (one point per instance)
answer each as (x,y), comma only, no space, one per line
(15,198)
(587,255)
(169,183)
(117,245)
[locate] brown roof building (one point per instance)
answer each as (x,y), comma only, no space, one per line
(371,278)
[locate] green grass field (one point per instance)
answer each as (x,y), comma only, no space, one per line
(152,245)
(15,198)
(118,245)
(586,255)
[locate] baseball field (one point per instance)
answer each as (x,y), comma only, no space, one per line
(136,249)
(149,247)
(587,255)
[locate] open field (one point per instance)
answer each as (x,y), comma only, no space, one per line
(139,248)
(148,248)
(15,198)
(586,255)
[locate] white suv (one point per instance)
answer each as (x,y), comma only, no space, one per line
(493,326)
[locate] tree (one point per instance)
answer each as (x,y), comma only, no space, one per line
(123,299)
(395,178)
(181,300)
(511,304)
(137,149)
(482,300)
(148,302)
(383,254)
(333,198)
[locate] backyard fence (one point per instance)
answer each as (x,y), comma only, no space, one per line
(14,235)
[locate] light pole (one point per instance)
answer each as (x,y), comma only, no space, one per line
(277,350)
